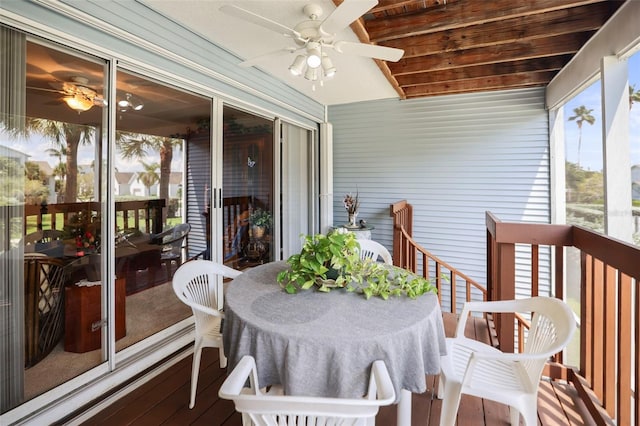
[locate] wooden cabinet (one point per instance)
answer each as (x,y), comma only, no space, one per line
(83,308)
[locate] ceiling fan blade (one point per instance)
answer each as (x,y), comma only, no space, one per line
(256,60)
(369,50)
(345,14)
(100,101)
(43,89)
(238,12)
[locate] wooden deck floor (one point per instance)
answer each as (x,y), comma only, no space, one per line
(164,401)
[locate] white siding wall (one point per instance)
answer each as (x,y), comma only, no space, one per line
(453,158)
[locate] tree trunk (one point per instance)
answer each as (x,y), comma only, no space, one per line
(72,136)
(166,156)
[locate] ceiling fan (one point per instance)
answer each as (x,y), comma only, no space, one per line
(77,94)
(314,38)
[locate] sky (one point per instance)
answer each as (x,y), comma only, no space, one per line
(591,146)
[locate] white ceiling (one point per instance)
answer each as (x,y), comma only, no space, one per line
(357,78)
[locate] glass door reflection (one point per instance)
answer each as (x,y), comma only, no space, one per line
(51,214)
(162,149)
(248,181)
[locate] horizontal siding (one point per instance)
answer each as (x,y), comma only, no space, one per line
(198,180)
(453,158)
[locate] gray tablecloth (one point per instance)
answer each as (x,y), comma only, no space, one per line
(323,344)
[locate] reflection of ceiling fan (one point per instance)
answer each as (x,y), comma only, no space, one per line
(77,94)
(315,38)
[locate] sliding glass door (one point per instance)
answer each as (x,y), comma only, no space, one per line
(299,186)
(52,152)
(161,169)
(56,170)
(247,189)
(269,189)
(94,222)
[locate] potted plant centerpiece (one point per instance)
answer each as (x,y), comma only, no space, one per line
(333,261)
(260,221)
(325,260)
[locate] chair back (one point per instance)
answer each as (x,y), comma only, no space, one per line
(264,409)
(43,304)
(552,327)
(370,249)
(196,285)
(49,235)
(48,241)
(175,238)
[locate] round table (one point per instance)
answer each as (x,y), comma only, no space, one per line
(323,344)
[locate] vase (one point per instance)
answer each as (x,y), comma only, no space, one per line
(352,219)
(258,231)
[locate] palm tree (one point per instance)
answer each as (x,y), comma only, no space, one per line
(68,137)
(166,156)
(134,146)
(634,95)
(60,169)
(59,153)
(150,175)
(582,114)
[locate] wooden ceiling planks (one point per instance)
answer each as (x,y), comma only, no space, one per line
(462,46)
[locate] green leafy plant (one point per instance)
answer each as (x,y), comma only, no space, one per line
(261,217)
(333,261)
(377,279)
(326,260)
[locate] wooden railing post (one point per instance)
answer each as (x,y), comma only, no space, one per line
(506,290)
(154,208)
(408,254)
(402,214)
(397,250)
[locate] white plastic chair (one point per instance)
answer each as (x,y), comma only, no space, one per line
(196,285)
(373,250)
(265,409)
(477,369)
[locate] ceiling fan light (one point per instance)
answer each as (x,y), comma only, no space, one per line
(313,58)
(134,103)
(327,67)
(130,102)
(297,67)
(78,102)
(311,74)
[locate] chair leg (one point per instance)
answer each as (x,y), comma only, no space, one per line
(514,416)
(223,357)
(169,269)
(195,370)
(450,402)
(440,394)
(528,409)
